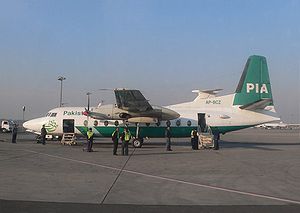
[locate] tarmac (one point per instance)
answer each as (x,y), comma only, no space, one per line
(254,170)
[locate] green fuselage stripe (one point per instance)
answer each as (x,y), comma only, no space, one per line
(159,132)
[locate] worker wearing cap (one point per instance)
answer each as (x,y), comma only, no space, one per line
(43,134)
(14,133)
(90,140)
(194,139)
(126,136)
(115,139)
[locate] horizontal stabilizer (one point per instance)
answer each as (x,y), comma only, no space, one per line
(204,94)
(260,104)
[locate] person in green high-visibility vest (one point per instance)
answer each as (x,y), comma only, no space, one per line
(126,136)
(90,140)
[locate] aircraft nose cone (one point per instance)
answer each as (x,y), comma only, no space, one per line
(27,125)
(34,124)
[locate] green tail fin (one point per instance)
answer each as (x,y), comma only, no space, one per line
(254,84)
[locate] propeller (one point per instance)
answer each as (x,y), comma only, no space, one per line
(88,100)
(93,114)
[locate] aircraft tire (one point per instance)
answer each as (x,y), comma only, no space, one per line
(38,139)
(137,143)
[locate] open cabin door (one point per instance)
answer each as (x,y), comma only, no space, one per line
(201,122)
(68,126)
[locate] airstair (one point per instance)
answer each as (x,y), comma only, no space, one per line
(206,139)
(68,139)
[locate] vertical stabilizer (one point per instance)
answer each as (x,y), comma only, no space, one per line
(254,84)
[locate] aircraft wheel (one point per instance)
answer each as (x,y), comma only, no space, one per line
(137,142)
(38,139)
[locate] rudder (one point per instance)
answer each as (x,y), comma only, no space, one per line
(254,84)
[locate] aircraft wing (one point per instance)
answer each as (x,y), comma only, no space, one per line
(132,100)
(260,104)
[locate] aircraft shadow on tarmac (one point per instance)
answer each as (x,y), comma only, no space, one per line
(255,145)
(223,145)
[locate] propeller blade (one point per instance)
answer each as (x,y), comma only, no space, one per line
(88,106)
(88,101)
(105,89)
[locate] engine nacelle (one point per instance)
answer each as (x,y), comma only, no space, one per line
(142,120)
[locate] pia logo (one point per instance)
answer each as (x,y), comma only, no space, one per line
(257,88)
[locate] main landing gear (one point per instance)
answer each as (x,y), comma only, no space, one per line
(137,142)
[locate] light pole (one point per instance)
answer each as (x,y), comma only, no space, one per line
(61,78)
(23,110)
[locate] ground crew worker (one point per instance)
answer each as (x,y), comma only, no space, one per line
(115,139)
(126,136)
(43,134)
(14,133)
(90,140)
(168,138)
(194,139)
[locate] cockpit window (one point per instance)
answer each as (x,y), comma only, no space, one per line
(53,114)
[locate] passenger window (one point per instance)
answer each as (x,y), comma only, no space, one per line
(168,123)
(85,123)
(189,123)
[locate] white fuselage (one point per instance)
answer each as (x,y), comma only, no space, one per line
(219,113)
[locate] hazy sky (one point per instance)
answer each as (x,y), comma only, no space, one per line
(165,48)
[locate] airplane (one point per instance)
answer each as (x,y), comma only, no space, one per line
(250,105)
